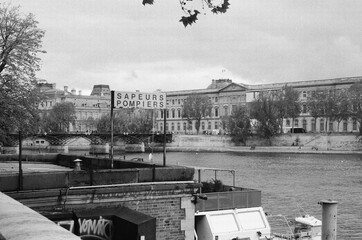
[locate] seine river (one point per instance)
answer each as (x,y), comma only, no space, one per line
(291,184)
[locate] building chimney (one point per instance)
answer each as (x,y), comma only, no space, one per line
(74,91)
(80,92)
(65,89)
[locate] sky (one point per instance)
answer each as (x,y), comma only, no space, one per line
(133,47)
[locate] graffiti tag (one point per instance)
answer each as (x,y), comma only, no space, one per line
(100,228)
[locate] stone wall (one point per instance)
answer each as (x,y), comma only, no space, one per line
(332,141)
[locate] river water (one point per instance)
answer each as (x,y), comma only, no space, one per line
(291,184)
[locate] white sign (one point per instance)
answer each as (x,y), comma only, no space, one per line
(155,100)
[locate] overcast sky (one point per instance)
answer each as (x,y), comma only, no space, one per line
(134,47)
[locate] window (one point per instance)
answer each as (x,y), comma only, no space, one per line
(178,126)
(305,124)
(321,125)
(167,114)
(184,126)
(161,127)
(304,94)
(330,127)
(216,112)
(216,99)
(296,122)
(179,102)
(313,125)
(161,113)
(344,126)
(202,126)
(173,102)
(209,125)
(179,113)
(225,111)
(216,125)
(304,108)
(288,123)
(172,126)
(173,113)
(354,125)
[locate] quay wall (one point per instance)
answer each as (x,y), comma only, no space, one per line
(326,142)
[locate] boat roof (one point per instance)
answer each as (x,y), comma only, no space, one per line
(309,220)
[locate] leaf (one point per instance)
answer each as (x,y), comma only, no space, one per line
(224,7)
(190,19)
(144,2)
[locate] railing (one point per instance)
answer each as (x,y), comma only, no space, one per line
(244,198)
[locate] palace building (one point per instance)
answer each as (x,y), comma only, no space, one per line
(224,94)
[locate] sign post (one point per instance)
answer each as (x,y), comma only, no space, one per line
(112,127)
(141,100)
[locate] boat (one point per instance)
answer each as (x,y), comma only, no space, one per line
(224,212)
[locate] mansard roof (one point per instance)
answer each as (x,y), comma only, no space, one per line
(308,83)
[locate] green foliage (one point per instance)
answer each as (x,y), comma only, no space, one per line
(239,125)
(193,7)
(196,107)
(265,110)
(213,185)
(334,105)
(20,41)
(59,118)
(287,102)
(355,99)
(127,121)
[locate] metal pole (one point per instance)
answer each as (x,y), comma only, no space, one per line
(329,219)
(164,137)
(20,163)
(112,106)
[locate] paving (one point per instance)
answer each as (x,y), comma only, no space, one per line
(27,167)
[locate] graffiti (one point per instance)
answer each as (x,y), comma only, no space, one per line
(97,228)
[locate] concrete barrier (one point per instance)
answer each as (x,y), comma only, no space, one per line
(20,222)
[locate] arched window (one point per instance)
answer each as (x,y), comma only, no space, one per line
(173,113)
(179,113)
(344,126)
(216,112)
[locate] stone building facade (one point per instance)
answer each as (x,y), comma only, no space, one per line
(88,108)
(224,94)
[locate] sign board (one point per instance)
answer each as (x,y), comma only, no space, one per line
(155,100)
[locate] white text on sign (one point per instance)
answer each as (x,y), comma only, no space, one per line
(156,100)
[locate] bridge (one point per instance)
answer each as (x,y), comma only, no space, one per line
(59,139)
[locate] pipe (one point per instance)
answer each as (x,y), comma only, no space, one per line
(329,219)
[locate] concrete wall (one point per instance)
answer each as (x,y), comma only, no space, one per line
(20,222)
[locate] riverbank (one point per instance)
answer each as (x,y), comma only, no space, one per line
(257,149)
